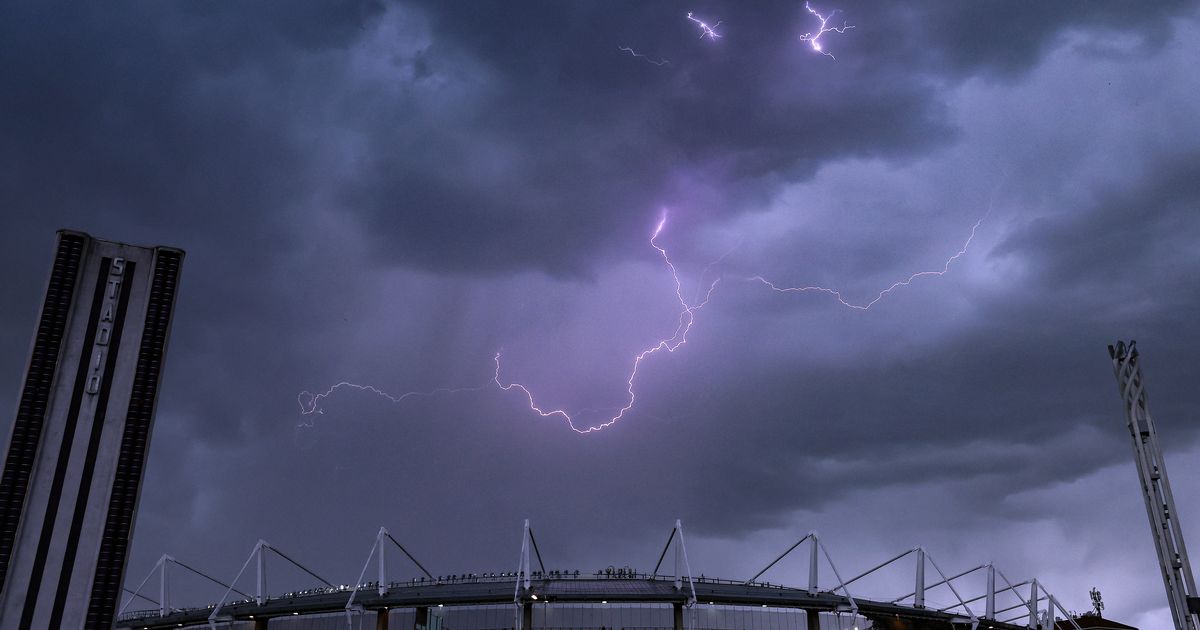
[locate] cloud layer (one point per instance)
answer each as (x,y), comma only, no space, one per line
(390,193)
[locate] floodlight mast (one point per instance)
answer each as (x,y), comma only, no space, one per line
(1156,489)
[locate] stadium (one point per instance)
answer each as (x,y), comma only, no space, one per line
(609,598)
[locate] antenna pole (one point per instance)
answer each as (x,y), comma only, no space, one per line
(1156,489)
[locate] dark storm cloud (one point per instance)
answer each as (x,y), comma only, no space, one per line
(568,115)
(132,120)
(389,193)
(573,115)
(1137,226)
(1003,39)
(1037,401)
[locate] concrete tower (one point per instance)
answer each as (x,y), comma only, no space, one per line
(74,460)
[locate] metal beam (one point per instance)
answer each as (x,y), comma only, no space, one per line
(536,553)
(975,599)
(136,592)
(139,596)
(377,546)
(208,577)
(662,555)
(408,555)
(781,557)
(876,568)
(299,566)
(841,584)
(937,584)
(952,589)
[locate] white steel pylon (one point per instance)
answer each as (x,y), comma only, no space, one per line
(523,568)
(164,588)
(259,556)
(681,561)
(163,566)
(378,551)
(523,575)
(816,548)
(1156,489)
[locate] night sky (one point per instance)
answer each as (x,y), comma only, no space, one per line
(390,194)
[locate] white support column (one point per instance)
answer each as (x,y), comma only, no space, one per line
(525,555)
(919,591)
(687,565)
(1033,607)
(216,613)
(812,564)
(678,557)
(523,567)
(990,612)
(381,543)
(522,571)
(261,562)
(164,586)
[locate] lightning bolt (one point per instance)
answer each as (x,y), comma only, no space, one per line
(814,40)
(310,403)
(660,62)
(687,316)
(706,30)
(895,285)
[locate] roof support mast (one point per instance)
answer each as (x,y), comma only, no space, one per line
(1156,489)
